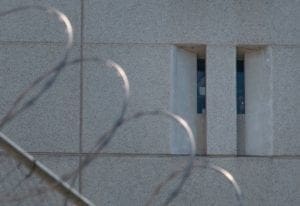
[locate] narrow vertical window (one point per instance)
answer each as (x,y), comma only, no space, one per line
(240,83)
(200,85)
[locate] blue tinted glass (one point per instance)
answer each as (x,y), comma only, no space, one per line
(240,87)
(200,85)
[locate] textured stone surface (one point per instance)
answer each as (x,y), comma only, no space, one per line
(129,181)
(52,123)
(285,21)
(258,103)
(17,173)
(35,25)
(240,134)
(230,21)
(148,69)
(60,165)
(285,182)
(252,174)
(123,181)
(286,100)
(221,100)
(201,134)
(141,36)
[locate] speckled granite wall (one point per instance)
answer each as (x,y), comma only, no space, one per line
(143,37)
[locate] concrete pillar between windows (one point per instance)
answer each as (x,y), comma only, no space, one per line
(221,122)
(258,103)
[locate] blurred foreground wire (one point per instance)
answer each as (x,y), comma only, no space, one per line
(25,181)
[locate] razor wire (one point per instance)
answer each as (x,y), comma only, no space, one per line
(54,71)
(228,176)
(25,162)
(18,186)
(32,170)
(44,191)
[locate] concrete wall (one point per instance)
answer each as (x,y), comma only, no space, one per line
(286,98)
(221,116)
(259,103)
(144,37)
